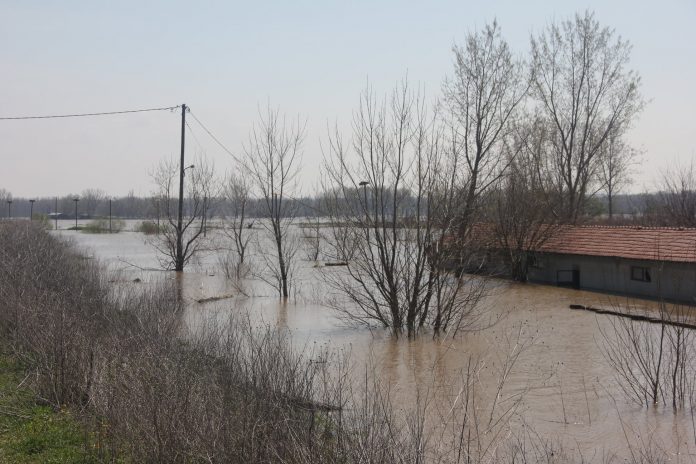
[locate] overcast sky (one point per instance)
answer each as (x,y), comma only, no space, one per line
(310,58)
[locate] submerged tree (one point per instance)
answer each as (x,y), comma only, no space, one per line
(178,246)
(653,361)
(583,88)
(524,206)
(273,155)
(237,191)
(393,197)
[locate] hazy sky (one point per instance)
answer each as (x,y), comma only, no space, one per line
(311,58)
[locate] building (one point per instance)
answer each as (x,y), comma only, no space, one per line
(652,262)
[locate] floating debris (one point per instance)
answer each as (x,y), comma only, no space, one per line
(214,298)
(636,317)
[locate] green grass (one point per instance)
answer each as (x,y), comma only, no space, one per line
(30,433)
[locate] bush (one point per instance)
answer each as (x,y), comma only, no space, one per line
(43,221)
(149,228)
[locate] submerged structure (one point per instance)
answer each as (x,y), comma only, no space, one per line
(652,262)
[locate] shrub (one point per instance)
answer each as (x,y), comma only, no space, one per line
(149,228)
(43,221)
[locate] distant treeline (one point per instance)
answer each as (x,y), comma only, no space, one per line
(135,207)
(640,208)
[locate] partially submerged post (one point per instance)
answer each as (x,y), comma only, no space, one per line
(179,261)
(76,200)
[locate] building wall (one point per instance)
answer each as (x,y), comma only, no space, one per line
(674,281)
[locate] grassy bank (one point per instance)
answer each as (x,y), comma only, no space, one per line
(31,433)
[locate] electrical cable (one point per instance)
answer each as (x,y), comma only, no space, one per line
(228,151)
(80,115)
(193,134)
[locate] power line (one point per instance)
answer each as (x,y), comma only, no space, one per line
(193,134)
(229,152)
(80,115)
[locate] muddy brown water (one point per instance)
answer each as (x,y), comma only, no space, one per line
(569,391)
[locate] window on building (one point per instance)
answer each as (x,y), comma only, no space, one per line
(641,274)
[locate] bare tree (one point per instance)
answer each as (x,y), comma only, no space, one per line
(237,226)
(5,196)
(653,361)
(677,196)
(311,238)
(614,169)
(484,96)
(393,190)
(273,155)
(91,199)
(524,203)
(582,86)
(200,181)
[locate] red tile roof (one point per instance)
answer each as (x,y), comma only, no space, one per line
(645,243)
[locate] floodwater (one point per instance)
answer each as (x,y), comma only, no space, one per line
(569,391)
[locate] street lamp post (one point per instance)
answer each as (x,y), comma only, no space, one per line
(31,210)
(364,185)
(9,209)
(76,200)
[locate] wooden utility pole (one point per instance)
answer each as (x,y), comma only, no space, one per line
(179,264)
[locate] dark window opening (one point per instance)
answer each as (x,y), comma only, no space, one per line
(641,274)
(568,278)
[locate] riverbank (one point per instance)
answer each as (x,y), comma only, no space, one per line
(119,359)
